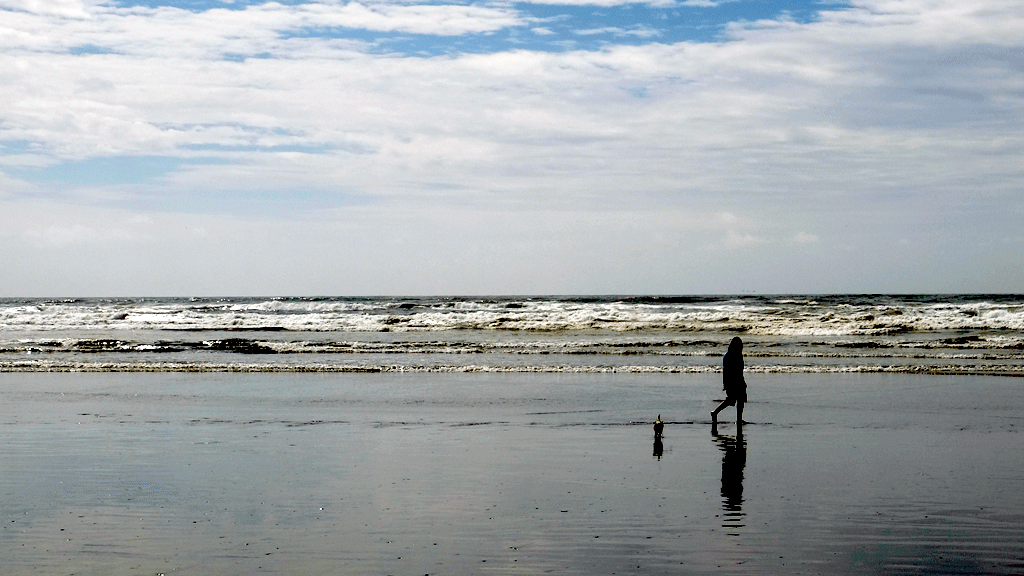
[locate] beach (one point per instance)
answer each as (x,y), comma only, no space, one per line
(224,473)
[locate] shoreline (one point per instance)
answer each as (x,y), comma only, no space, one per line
(39,366)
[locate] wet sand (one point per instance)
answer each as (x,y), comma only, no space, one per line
(508,474)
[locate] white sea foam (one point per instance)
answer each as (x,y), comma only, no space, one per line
(63,366)
(663,333)
(787,318)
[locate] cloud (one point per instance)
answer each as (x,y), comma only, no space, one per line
(129,251)
(610,3)
(877,118)
(446,20)
(934,23)
(56,225)
(639,31)
(263,29)
(736,239)
(751,100)
(705,3)
(61,8)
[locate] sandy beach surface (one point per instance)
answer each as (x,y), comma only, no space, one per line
(461,474)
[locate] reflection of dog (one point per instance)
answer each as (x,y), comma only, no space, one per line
(658,427)
(659,448)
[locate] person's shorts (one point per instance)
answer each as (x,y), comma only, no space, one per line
(732,399)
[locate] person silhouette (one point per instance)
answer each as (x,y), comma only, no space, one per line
(732,381)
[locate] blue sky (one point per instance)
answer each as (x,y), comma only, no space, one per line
(591,146)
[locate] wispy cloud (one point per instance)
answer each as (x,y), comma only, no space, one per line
(609,3)
(741,239)
(638,31)
(805,238)
(269,29)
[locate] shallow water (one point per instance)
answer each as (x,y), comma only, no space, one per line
(507,474)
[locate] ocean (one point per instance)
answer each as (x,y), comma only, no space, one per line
(921,334)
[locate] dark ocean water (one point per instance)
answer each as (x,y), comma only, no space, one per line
(940,334)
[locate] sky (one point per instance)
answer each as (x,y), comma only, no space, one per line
(363,147)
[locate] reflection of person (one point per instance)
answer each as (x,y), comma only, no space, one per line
(732,381)
(734,459)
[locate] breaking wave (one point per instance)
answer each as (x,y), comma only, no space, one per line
(933,334)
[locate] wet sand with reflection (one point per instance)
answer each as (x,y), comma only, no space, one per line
(511,474)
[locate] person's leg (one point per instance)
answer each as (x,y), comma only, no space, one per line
(739,413)
(722,406)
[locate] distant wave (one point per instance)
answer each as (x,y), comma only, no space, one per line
(1008,347)
(783,315)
